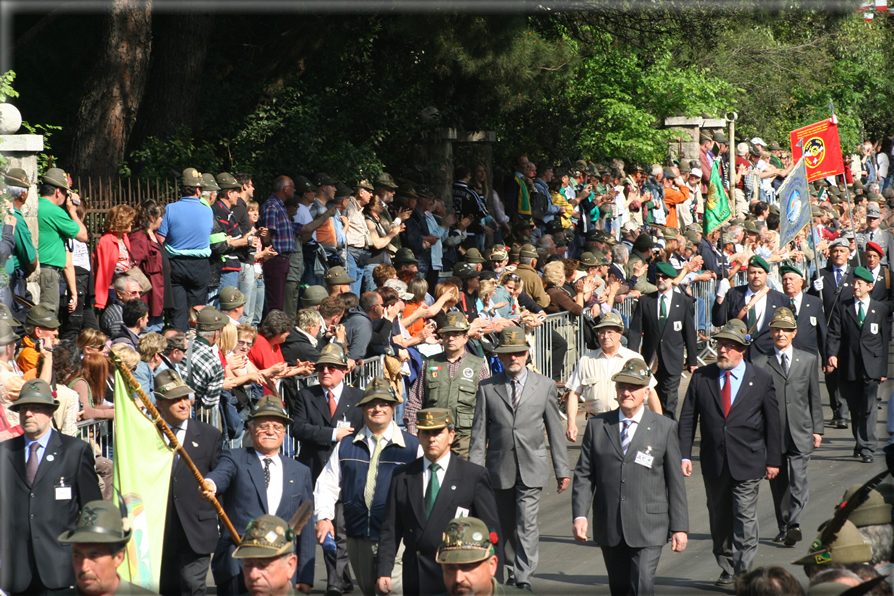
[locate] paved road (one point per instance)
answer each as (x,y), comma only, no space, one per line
(568,567)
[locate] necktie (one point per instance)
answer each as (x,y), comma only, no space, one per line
(333,405)
(175,430)
(662,312)
(516,394)
(33,462)
(837,277)
(752,315)
(784,363)
(794,309)
(726,395)
(625,435)
(372,472)
(861,314)
(267,462)
(431,494)
(871,236)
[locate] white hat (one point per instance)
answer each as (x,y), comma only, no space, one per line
(742,149)
(629,227)
(758,141)
(695,172)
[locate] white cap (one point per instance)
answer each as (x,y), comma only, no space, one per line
(695,172)
(758,141)
(742,149)
(629,227)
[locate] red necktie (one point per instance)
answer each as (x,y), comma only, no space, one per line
(727,395)
(333,405)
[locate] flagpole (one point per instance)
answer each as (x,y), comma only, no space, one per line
(847,193)
(162,426)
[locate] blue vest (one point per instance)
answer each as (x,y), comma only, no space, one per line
(361,522)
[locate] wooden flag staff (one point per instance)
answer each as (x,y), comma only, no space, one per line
(162,426)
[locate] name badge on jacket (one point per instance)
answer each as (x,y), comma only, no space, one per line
(63,493)
(813,321)
(678,325)
(873,328)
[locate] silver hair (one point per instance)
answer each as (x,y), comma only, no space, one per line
(545,242)
(206,335)
(121,283)
(526,260)
(280,183)
(880,538)
(733,232)
(209,195)
(620,254)
(657,169)
(872,187)
(16,192)
(831,575)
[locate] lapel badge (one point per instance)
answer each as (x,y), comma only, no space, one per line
(194,444)
(750,384)
(452,487)
(50,457)
(291,482)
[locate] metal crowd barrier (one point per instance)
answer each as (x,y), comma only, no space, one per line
(100,433)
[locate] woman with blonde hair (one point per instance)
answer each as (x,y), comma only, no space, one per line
(112,257)
(560,300)
(93,341)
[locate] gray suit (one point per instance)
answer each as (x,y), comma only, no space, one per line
(801,414)
(631,518)
(511,446)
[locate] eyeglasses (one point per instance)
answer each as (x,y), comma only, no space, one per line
(330,367)
(245,343)
(271,426)
(513,277)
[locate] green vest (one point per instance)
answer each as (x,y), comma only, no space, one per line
(456,393)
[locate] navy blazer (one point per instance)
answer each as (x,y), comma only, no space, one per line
(812,328)
(312,426)
(678,335)
(197,516)
(761,341)
(861,352)
(32,514)
(239,477)
(750,438)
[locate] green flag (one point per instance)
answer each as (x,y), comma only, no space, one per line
(143,476)
(717,210)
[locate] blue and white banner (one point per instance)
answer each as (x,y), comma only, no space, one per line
(794,204)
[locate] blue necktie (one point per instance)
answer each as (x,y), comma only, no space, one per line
(837,277)
(625,435)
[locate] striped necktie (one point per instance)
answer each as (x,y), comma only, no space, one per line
(625,435)
(373,471)
(516,394)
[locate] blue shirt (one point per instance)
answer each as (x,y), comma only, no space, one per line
(40,450)
(735,380)
(187,225)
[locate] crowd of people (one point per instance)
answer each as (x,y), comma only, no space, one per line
(243,322)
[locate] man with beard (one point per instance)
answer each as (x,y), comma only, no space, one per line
(753,303)
(664,324)
(733,405)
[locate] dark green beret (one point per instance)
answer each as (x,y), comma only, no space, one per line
(667,269)
(864,274)
(758,261)
(789,269)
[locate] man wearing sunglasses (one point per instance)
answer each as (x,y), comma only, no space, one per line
(324,415)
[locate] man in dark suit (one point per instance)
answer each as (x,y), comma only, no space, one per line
(191,527)
(735,404)
(324,415)
(754,304)
(664,324)
(796,380)
(423,498)
(47,479)
(808,313)
(834,286)
(633,518)
(257,480)
(882,289)
(513,412)
(858,348)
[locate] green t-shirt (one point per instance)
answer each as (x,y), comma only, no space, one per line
(24,252)
(55,228)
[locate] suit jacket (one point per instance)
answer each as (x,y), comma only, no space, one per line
(749,438)
(668,345)
(649,502)
(800,409)
(197,517)
(33,515)
(812,328)
(510,442)
(761,342)
(465,485)
(312,426)
(239,477)
(862,352)
(830,293)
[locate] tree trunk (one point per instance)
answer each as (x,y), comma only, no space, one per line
(114,90)
(175,78)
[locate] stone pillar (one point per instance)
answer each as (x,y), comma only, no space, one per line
(20,151)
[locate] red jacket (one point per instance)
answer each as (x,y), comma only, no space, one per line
(104,260)
(147,256)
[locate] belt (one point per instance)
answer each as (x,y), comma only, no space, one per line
(356,249)
(53,267)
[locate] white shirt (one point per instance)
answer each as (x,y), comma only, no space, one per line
(797,300)
(668,298)
(788,355)
(180,433)
(442,471)
(328,488)
(865,303)
(274,489)
(877,273)
(336,395)
(637,418)
(758,308)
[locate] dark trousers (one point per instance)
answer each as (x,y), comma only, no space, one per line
(82,317)
(631,571)
(789,489)
(275,272)
(836,401)
(668,389)
(732,515)
(183,571)
(862,397)
(560,348)
(189,285)
(338,573)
